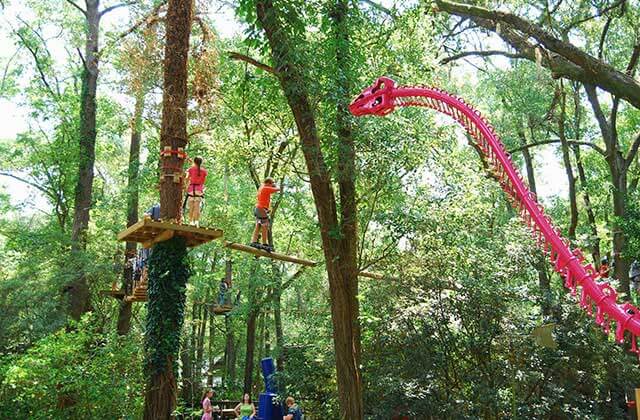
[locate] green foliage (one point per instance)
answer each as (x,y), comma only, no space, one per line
(450,338)
(73,374)
(168,275)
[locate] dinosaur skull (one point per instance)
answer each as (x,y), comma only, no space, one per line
(374,100)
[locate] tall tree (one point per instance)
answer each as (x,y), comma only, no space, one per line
(124,313)
(77,289)
(168,267)
(535,42)
(338,233)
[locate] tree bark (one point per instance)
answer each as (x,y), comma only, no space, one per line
(187,358)
(200,347)
(133,192)
(338,239)
(210,347)
(277,319)
(164,322)
(78,289)
(250,350)
(561,57)
(591,218)
(229,353)
(252,318)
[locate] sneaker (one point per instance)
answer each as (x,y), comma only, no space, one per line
(255,245)
(268,248)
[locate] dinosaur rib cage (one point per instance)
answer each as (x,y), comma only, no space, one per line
(570,264)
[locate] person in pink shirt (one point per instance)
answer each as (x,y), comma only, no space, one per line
(206,405)
(195,179)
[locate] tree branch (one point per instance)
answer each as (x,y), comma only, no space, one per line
(597,148)
(379,7)
(480,54)
(241,57)
(592,70)
(26,181)
(603,37)
(34,54)
(596,15)
(605,127)
(116,6)
(633,150)
(71,2)
(147,20)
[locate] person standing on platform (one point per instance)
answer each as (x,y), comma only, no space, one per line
(224,289)
(261,212)
(195,179)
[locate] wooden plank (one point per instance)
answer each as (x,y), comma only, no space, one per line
(128,231)
(148,232)
(161,237)
(273,255)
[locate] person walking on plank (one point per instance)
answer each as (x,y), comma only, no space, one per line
(261,212)
(196,177)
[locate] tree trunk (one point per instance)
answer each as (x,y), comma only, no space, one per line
(133,189)
(618,172)
(250,351)
(229,353)
(340,260)
(200,347)
(539,263)
(168,267)
(566,157)
(252,319)
(211,347)
(187,357)
(591,218)
(78,289)
(277,318)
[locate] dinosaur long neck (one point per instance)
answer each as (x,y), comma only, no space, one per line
(570,264)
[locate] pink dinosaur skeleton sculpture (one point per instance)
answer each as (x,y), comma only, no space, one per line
(384,96)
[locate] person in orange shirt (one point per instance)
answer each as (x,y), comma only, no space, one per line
(195,179)
(261,212)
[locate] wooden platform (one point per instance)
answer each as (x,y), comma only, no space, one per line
(273,255)
(149,232)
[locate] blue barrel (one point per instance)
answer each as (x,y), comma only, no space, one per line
(268,370)
(269,408)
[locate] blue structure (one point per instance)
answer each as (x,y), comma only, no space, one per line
(269,408)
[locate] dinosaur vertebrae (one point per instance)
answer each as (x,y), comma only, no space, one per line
(570,264)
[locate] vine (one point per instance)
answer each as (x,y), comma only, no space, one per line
(169,271)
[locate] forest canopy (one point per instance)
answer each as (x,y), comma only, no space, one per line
(421,293)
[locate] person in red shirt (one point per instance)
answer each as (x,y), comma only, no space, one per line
(261,212)
(195,179)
